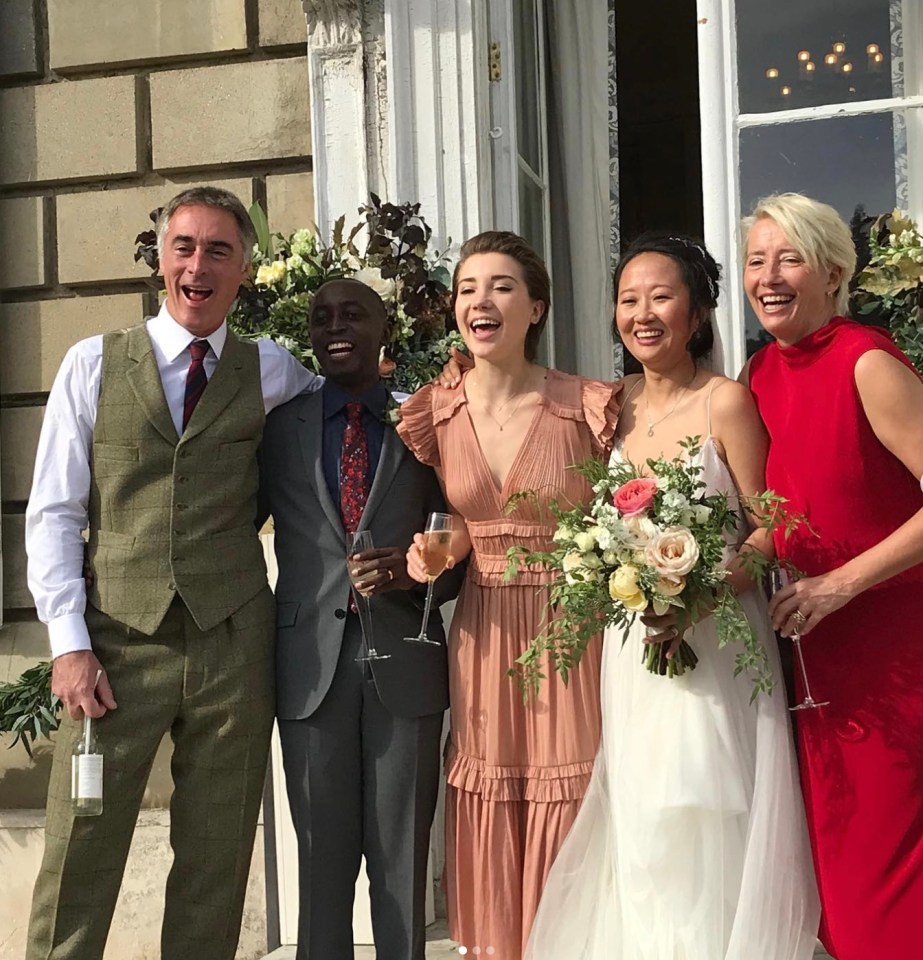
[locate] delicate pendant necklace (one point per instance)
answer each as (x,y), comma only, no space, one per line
(653,423)
(518,398)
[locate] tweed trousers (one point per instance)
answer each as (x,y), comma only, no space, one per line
(213,692)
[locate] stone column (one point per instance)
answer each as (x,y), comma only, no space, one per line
(348,106)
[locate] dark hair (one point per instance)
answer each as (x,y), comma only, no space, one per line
(538,283)
(700,274)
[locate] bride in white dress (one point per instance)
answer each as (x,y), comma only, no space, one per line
(691,843)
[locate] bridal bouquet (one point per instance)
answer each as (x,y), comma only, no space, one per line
(646,542)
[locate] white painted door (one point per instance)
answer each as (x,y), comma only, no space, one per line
(823,98)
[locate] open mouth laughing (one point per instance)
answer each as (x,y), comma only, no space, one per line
(196,294)
(340,349)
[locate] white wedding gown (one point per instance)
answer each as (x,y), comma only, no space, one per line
(691,843)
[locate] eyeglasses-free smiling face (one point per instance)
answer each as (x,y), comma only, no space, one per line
(790,298)
(203,265)
(493,308)
(653,310)
(347,328)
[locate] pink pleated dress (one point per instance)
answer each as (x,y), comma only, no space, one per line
(516,771)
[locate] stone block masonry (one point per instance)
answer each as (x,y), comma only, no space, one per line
(236,113)
(73,130)
(88,34)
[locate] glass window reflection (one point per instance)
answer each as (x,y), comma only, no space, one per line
(853,163)
(793,53)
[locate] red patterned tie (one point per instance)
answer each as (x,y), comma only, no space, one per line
(354,469)
(196,379)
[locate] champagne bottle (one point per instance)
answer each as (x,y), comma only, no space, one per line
(87,772)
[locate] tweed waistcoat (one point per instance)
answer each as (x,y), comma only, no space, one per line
(174,515)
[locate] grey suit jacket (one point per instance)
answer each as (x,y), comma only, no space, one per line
(312,592)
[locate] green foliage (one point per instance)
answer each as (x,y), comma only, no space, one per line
(28,708)
(890,288)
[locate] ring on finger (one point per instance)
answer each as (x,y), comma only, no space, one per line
(799,618)
(390,574)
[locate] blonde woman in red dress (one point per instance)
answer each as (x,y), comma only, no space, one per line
(516,771)
(844,411)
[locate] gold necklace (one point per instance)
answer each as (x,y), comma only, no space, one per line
(493,415)
(653,423)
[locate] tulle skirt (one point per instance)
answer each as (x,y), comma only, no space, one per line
(691,843)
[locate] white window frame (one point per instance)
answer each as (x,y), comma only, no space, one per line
(722,122)
(506,164)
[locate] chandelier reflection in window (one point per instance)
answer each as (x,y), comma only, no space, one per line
(837,69)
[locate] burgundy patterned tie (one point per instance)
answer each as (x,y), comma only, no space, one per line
(354,469)
(196,379)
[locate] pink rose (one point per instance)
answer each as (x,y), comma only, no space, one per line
(635,496)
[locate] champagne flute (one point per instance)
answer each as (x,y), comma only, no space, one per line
(356,543)
(437,546)
(780,578)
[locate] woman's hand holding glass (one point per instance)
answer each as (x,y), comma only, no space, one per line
(430,555)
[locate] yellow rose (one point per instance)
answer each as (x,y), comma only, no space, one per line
(270,273)
(623,586)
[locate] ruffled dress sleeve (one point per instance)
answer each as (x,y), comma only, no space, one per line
(601,404)
(416,426)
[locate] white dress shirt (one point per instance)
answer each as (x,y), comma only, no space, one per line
(57,511)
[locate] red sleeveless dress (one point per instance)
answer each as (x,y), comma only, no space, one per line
(861,757)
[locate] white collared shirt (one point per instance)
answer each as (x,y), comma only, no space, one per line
(57,511)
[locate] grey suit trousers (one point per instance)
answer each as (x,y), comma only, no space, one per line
(361,781)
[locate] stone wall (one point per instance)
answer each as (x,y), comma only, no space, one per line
(106,111)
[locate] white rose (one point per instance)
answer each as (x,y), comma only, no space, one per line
(702,513)
(585,541)
(577,566)
(640,530)
(372,278)
(672,552)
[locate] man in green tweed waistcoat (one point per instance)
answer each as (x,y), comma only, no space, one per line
(149,442)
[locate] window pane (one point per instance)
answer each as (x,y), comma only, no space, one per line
(856,164)
(862,38)
(527,83)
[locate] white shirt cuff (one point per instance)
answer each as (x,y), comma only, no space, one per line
(68,634)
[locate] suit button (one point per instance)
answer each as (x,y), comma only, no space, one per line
(181,506)
(339,613)
(171,585)
(182,479)
(184,454)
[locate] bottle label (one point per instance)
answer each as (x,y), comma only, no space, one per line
(87,776)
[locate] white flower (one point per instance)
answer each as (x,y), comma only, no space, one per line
(585,541)
(372,278)
(640,530)
(674,500)
(563,534)
(581,567)
(702,513)
(672,552)
(664,483)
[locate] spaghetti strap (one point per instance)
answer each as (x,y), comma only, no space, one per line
(711,390)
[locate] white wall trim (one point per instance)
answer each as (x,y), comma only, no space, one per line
(828,111)
(720,164)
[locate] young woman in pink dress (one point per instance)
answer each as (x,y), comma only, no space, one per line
(844,411)
(516,770)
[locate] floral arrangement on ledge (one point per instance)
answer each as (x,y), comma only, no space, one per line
(890,288)
(395,261)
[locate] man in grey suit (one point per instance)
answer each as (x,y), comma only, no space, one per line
(360,738)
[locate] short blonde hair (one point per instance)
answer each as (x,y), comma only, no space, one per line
(815,230)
